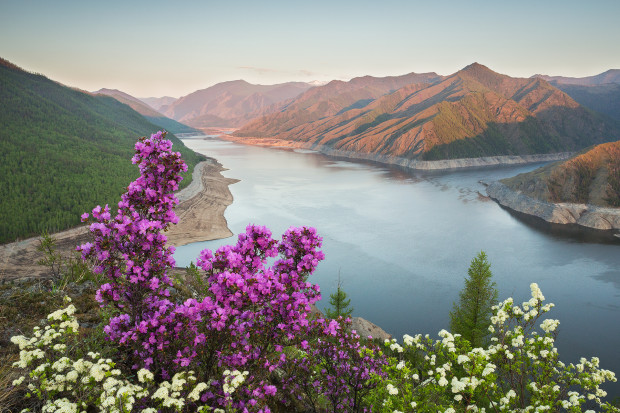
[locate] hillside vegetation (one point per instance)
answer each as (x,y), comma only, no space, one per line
(591,177)
(62,152)
(472,113)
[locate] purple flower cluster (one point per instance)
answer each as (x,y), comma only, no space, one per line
(335,366)
(249,315)
(130,248)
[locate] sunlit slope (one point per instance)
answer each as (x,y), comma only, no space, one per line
(472,113)
(592,177)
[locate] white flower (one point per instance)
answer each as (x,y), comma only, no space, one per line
(391,389)
(462,359)
(549,325)
(457,385)
(162,392)
(536,293)
(145,375)
(400,365)
(408,340)
(19,381)
(195,394)
(489,368)
(72,376)
(97,372)
(517,341)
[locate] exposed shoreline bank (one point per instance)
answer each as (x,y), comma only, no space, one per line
(588,216)
(201,218)
(440,165)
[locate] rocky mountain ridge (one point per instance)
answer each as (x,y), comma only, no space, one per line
(473,113)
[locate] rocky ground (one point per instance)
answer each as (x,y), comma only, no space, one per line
(589,216)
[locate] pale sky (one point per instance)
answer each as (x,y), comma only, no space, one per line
(158,48)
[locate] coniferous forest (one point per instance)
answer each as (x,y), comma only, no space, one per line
(62,151)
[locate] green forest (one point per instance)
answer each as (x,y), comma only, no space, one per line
(62,152)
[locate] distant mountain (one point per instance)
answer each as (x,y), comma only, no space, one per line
(148,112)
(158,103)
(591,177)
(331,100)
(600,93)
(472,113)
(604,98)
(610,76)
(62,152)
(231,103)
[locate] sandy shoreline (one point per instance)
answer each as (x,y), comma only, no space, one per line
(201,218)
(440,165)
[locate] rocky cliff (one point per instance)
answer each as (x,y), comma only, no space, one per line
(585,215)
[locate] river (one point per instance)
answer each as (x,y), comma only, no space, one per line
(402,242)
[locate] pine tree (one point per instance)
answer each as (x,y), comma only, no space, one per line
(472,316)
(339,303)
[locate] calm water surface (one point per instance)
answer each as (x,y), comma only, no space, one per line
(402,242)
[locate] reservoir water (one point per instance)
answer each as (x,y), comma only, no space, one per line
(402,242)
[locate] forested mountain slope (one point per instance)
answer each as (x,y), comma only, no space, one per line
(62,152)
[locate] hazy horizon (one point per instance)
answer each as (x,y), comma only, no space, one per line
(158,48)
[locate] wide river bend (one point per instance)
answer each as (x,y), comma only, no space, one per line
(402,242)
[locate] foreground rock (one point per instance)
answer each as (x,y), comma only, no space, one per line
(585,215)
(365,328)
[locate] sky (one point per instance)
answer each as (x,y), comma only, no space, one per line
(171,48)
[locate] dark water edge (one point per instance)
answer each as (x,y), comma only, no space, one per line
(572,232)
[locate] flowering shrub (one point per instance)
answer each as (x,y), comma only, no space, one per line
(334,368)
(248,342)
(519,371)
(245,318)
(70,384)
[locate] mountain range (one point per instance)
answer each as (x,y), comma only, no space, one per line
(158,103)
(231,104)
(147,111)
(472,113)
(610,76)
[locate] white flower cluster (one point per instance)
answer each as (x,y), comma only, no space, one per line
(391,389)
(232,380)
(93,380)
(495,373)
